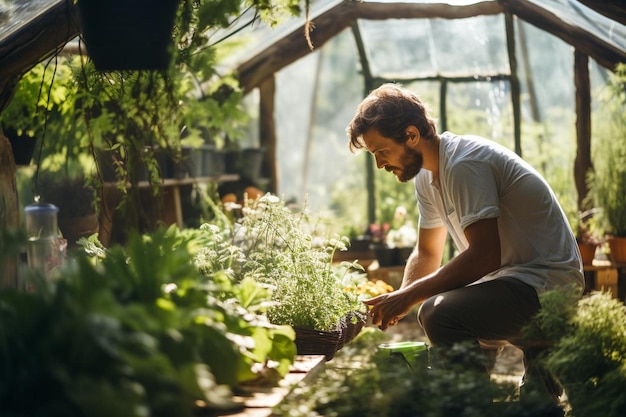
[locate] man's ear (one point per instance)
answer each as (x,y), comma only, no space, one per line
(413,135)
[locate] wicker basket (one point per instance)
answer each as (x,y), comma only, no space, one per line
(327,343)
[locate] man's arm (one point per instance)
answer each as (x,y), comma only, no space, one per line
(480,258)
(427,258)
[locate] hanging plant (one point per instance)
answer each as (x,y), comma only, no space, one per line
(128,34)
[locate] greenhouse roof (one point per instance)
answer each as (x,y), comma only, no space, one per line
(427,34)
(393,33)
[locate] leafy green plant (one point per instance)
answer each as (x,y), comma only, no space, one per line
(590,358)
(384,386)
(133,330)
(609,177)
(284,250)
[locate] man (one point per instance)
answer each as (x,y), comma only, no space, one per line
(514,240)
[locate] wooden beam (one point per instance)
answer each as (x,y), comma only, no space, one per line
(44,36)
(9,209)
(582,162)
(267,128)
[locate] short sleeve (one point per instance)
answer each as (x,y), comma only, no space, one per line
(473,186)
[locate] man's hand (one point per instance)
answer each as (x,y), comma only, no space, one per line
(387,309)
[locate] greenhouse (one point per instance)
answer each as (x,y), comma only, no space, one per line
(207,204)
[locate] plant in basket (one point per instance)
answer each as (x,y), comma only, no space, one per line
(291,252)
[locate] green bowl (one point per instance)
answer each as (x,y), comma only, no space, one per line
(404,347)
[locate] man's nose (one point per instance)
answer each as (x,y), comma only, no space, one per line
(380,162)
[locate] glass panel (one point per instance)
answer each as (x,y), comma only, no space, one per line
(312,112)
(577,14)
(419,48)
(481,108)
(15,14)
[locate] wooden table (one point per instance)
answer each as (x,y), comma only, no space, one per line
(604,275)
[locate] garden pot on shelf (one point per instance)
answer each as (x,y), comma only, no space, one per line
(251,162)
(128,34)
(587,252)
(403,254)
(247,162)
(617,247)
(385,255)
(213,161)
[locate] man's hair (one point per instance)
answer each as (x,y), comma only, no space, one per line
(390,109)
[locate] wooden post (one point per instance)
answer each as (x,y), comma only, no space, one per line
(9,209)
(583,163)
(267,128)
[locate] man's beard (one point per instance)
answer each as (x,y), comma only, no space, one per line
(412,162)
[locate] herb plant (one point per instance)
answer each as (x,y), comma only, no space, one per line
(292,254)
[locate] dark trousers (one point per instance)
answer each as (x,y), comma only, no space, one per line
(490,315)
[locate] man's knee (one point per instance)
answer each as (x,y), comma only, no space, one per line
(434,319)
(425,313)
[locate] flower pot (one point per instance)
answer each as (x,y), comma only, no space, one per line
(128,34)
(587,252)
(617,246)
(251,162)
(247,162)
(213,162)
(403,254)
(385,256)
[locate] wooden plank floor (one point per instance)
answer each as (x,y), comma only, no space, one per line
(259,402)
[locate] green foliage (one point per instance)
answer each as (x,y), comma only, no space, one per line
(288,253)
(34,100)
(590,358)
(383,386)
(609,179)
(133,330)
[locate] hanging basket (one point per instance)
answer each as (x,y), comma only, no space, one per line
(317,342)
(128,34)
(23,148)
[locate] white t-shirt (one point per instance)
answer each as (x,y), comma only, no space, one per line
(480,179)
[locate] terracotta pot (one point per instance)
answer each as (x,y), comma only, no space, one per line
(617,246)
(587,252)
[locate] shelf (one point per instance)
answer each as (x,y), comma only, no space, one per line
(175,182)
(171,213)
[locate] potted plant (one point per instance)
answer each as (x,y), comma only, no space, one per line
(291,253)
(609,177)
(586,237)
